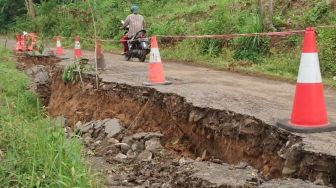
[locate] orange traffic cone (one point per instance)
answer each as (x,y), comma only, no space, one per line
(18,43)
(78,51)
(155,70)
(34,41)
(23,45)
(309,114)
(59,49)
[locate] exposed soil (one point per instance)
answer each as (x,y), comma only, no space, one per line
(28,60)
(237,138)
(224,135)
(189,130)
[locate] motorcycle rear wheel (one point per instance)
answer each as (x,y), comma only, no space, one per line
(143,56)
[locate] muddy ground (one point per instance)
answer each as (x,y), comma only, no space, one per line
(204,133)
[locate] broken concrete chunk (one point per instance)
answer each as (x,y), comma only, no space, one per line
(112,141)
(120,158)
(98,124)
(222,175)
(153,135)
(107,87)
(249,121)
(39,73)
(241,165)
(145,156)
(98,142)
(42,78)
(88,140)
(86,127)
(112,127)
(108,150)
(90,152)
(321,179)
(128,140)
(146,136)
(123,147)
(138,146)
(153,145)
(218,161)
(183,161)
(97,133)
(131,154)
(139,136)
(289,183)
(292,156)
(286,171)
(195,116)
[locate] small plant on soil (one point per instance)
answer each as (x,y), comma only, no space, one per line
(74,70)
(69,73)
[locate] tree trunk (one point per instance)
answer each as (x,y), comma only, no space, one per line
(333,4)
(266,14)
(30,9)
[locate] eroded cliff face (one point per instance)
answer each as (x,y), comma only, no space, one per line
(201,134)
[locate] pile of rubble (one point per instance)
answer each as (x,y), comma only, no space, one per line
(141,160)
(107,138)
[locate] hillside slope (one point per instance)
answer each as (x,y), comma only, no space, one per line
(275,56)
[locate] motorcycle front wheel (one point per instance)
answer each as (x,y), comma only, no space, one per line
(127,56)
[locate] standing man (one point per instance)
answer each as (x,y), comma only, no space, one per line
(135,22)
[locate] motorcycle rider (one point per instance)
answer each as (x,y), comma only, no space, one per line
(135,23)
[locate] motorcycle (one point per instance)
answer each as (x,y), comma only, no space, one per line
(138,46)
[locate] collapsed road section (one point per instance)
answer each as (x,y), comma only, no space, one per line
(220,144)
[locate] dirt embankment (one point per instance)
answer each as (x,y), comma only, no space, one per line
(39,69)
(206,132)
(27,60)
(221,134)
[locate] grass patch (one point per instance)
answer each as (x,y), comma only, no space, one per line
(278,65)
(35,150)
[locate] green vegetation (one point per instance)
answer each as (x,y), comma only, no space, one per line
(277,56)
(71,72)
(35,151)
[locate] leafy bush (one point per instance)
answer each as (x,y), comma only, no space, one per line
(221,22)
(319,10)
(327,47)
(251,48)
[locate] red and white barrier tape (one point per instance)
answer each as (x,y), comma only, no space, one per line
(223,36)
(325,26)
(226,36)
(230,36)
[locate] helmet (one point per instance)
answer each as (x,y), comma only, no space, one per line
(134,9)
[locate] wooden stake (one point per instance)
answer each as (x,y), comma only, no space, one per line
(95,33)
